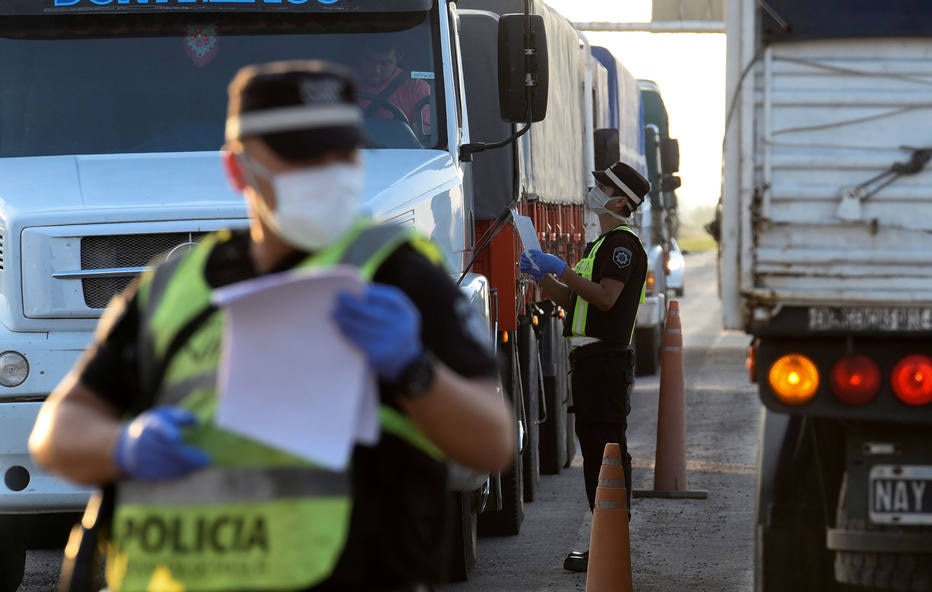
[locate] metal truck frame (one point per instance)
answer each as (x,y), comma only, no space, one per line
(825,242)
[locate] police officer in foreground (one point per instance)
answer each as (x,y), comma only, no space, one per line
(602,295)
(200,508)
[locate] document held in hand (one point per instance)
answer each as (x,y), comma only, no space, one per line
(526,231)
(288,377)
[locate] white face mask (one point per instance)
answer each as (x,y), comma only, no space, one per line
(314,206)
(597,199)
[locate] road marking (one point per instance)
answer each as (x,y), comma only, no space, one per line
(702,466)
(698,466)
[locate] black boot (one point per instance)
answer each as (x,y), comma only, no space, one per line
(577,561)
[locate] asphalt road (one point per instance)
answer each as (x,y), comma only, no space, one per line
(675,545)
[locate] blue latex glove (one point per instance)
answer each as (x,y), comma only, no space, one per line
(545,262)
(528,266)
(150,447)
(384,324)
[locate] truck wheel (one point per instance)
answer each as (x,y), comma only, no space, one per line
(530,387)
(647,344)
(507,521)
(570,438)
(909,572)
(570,421)
(795,538)
(12,554)
(791,550)
(462,554)
(553,438)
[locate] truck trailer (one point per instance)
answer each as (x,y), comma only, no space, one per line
(629,135)
(825,249)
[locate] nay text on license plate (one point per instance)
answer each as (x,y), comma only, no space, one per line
(901,494)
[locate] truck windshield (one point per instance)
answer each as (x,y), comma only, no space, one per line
(131,83)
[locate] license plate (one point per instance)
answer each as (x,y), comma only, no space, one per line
(901,494)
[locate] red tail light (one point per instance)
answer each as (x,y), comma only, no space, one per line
(855,380)
(912,380)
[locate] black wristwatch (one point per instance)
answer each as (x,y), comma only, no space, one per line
(418,376)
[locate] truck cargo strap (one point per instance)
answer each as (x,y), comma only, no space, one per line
(839,539)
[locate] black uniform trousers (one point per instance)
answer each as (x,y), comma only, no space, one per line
(602,378)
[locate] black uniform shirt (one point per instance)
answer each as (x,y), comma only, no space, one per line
(399,520)
(620,257)
(450,326)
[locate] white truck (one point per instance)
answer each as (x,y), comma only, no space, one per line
(634,128)
(826,243)
(111,120)
(657,222)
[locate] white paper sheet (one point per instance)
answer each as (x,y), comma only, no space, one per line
(288,377)
(526,232)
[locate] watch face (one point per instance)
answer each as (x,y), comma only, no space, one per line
(418,376)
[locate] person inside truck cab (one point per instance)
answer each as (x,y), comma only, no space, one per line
(388,91)
(198,507)
(602,294)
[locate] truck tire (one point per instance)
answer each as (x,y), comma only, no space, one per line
(462,555)
(902,572)
(553,430)
(507,520)
(647,345)
(570,420)
(12,554)
(791,550)
(530,386)
(553,438)
(795,537)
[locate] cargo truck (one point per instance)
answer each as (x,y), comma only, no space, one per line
(111,121)
(826,239)
(658,224)
(629,135)
(544,176)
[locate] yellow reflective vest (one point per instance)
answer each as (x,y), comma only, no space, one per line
(584,269)
(258,518)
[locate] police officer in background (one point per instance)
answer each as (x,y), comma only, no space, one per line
(201,508)
(602,295)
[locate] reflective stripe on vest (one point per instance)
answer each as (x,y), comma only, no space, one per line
(584,269)
(259,518)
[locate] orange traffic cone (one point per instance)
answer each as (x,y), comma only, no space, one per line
(609,546)
(670,463)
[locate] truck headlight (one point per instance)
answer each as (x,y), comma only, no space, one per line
(13,368)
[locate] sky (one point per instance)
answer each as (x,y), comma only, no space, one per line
(690,70)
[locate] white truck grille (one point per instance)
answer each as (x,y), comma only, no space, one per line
(120,258)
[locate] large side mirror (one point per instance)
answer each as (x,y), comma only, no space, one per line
(522,75)
(607,148)
(670,155)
